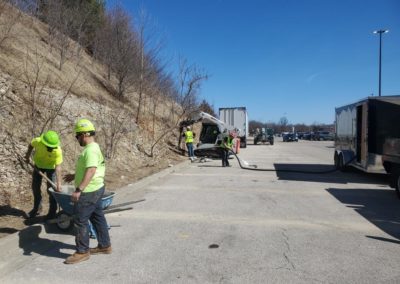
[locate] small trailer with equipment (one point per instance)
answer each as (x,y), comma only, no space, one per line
(368,137)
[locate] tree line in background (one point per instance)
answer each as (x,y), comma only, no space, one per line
(283,125)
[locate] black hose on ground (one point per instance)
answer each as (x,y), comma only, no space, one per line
(288,170)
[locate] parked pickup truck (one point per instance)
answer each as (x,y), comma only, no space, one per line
(324,136)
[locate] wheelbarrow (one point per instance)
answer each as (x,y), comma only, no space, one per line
(64,218)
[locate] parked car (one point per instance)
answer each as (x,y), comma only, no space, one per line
(290,137)
(324,136)
(307,136)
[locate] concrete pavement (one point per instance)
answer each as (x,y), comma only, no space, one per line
(202,223)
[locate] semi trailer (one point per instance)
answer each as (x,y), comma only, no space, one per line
(236,117)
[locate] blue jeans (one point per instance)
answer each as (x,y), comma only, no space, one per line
(89,207)
(190,149)
(37,193)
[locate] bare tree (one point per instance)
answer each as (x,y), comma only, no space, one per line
(190,78)
(116,46)
(115,124)
(9,17)
(150,68)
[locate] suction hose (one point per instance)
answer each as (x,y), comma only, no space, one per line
(254,168)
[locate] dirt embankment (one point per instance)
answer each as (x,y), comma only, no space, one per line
(33,89)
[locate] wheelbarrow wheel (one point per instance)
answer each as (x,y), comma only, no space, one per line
(64,221)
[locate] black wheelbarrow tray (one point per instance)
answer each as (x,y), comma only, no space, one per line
(64,218)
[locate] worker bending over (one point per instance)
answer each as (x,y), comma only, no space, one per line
(47,159)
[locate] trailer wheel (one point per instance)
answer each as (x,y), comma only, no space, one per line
(336,161)
(342,166)
(64,221)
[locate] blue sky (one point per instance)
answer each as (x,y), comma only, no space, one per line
(294,58)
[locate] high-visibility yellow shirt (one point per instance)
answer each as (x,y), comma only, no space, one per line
(43,158)
(91,157)
(188,136)
(227,142)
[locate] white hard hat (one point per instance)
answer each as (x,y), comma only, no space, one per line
(188,127)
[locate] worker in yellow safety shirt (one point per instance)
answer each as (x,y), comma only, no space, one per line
(87,197)
(226,146)
(47,159)
(189,137)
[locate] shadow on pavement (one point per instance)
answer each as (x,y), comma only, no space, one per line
(381,207)
(8,230)
(351,176)
(7,210)
(31,242)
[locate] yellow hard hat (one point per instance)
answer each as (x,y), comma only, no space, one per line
(50,139)
(84,125)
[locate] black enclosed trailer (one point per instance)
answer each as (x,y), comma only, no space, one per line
(368,136)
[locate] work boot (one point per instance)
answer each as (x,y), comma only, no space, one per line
(100,250)
(34,212)
(77,257)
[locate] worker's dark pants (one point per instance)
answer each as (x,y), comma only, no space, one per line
(37,194)
(224,157)
(89,207)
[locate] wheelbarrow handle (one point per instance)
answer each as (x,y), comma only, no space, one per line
(43,175)
(46,178)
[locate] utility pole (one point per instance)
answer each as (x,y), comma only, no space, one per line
(380,32)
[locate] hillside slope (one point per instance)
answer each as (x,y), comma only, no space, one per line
(36,96)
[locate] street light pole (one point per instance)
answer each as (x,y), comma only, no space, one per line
(380,32)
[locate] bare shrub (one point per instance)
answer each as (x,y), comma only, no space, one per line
(190,78)
(114,125)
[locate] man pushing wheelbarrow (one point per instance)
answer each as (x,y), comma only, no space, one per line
(87,197)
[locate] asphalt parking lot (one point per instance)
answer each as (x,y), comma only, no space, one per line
(201,223)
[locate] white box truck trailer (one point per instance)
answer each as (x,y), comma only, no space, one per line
(236,117)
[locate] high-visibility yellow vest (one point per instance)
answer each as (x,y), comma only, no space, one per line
(226,142)
(188,136)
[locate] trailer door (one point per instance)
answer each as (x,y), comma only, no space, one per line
(362,134)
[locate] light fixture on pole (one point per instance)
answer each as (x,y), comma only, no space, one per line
(380,32)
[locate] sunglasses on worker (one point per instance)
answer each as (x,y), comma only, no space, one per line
(79,135)
(50,149)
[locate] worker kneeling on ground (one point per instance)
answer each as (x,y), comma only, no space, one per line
(89,184)
(47,160)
